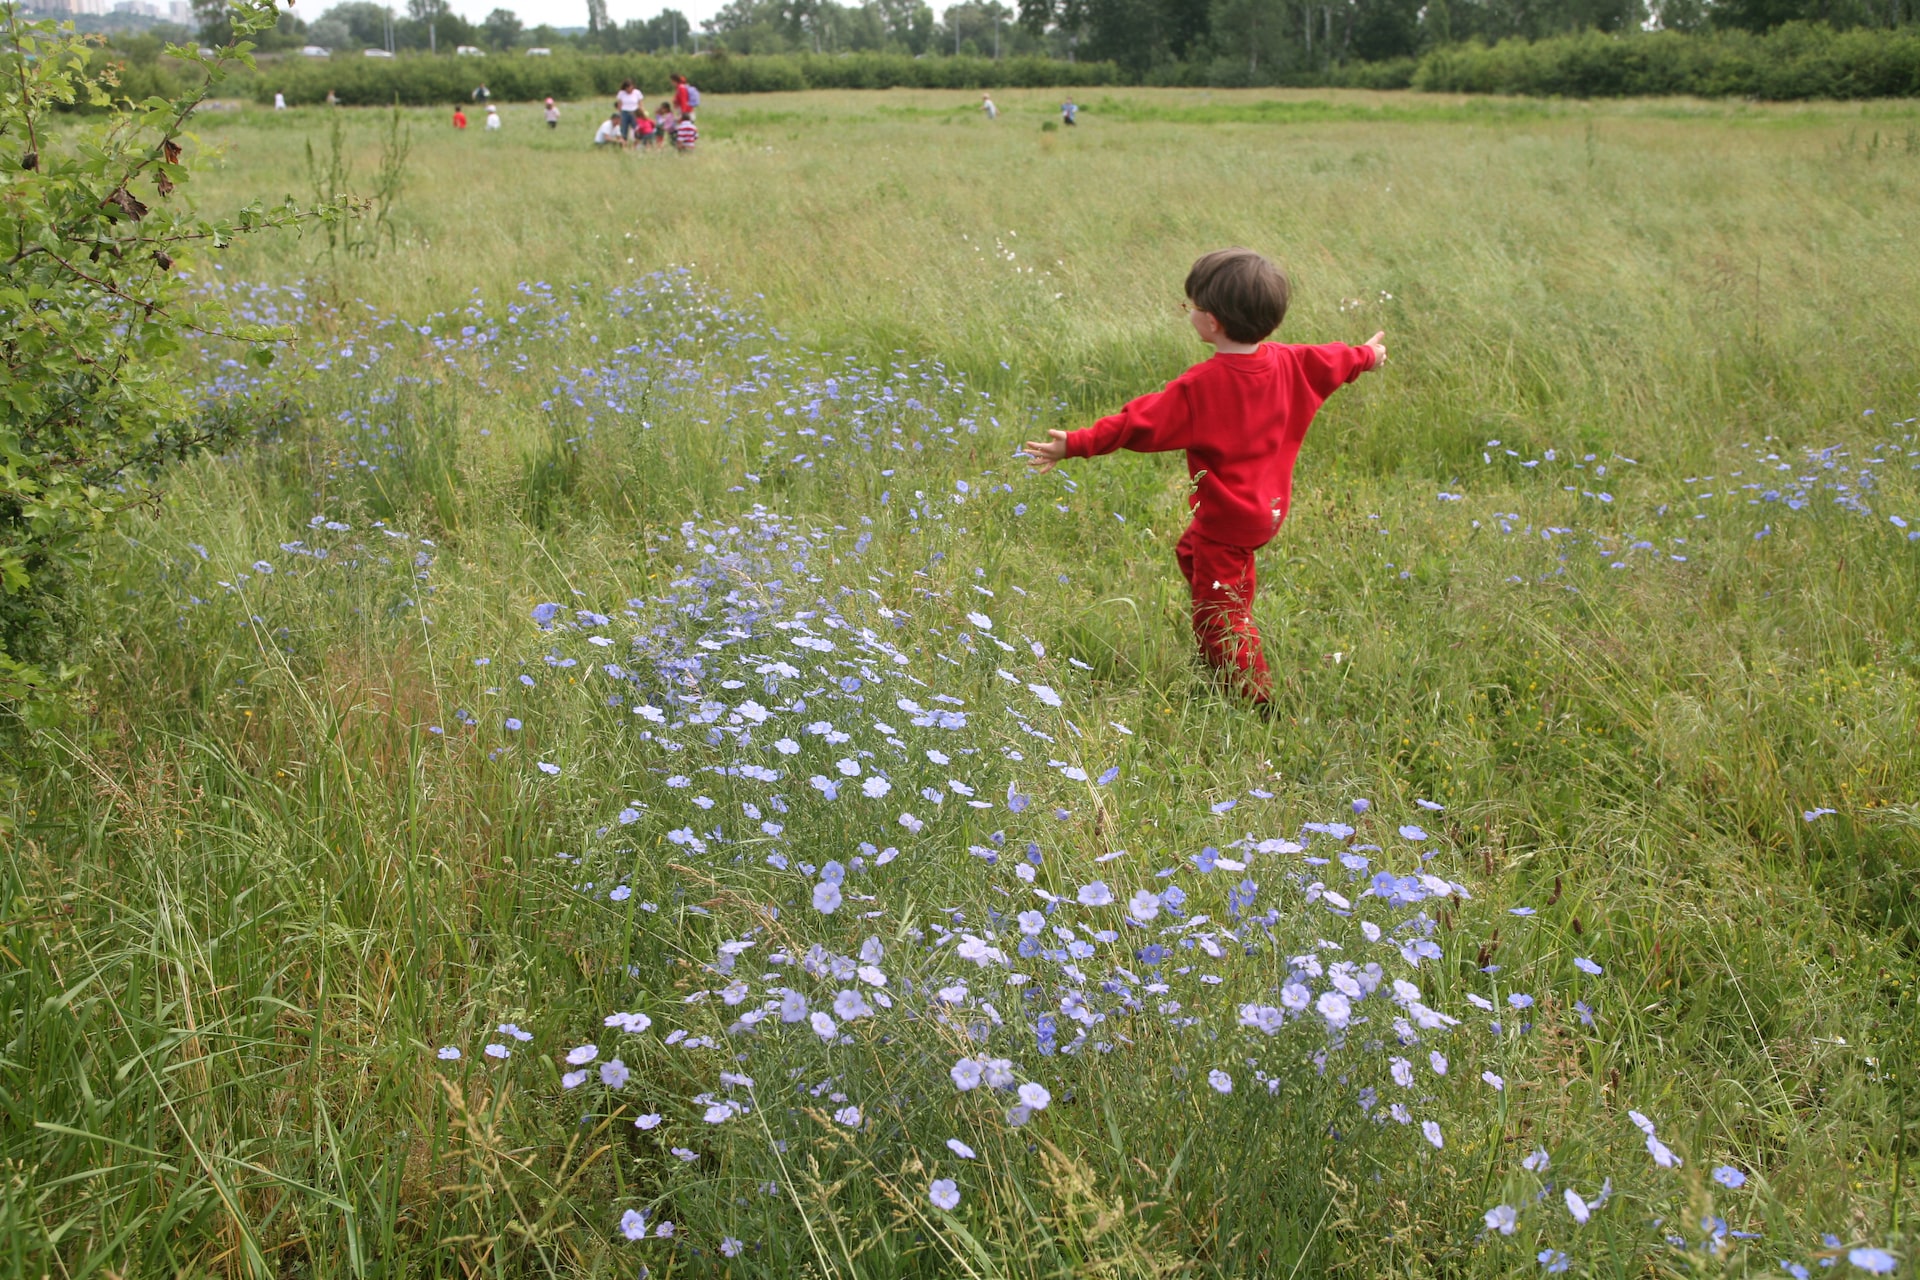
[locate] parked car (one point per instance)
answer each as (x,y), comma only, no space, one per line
(470,51)
(537,52)
(379,53)
(315,51)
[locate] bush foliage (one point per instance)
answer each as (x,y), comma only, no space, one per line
(1798,60)
(92,301)
(423,81)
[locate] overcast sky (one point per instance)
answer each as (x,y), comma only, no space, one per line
(573,13)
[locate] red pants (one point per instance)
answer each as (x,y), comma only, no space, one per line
(1222,579)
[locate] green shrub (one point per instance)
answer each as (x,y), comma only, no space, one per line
(1799,60)
(424,80)
(92,300)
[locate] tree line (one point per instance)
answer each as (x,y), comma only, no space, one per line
(1248,40)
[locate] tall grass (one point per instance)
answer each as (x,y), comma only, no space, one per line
(252,889)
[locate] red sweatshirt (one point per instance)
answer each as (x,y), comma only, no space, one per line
(1241,419)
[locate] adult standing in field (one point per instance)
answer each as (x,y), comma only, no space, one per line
(686,98)
(627,103)
(986,105)
(332,99)
(482,94)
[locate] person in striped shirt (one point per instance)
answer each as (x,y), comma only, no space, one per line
(686,134)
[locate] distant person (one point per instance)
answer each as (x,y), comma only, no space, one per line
(482,94)
(493,118)
(663,124)
(608,134)
(553,115)
(627,103)
(1069,113)
(459,117)
(1240,416)
(686,134)
(332,101)
(686,98)
(279,102)
(644,131)
(986,105)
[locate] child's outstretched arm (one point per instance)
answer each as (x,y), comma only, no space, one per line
(1044,457)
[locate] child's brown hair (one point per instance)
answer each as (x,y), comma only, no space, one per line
(1241,289)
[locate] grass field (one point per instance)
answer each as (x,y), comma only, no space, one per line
(632,604)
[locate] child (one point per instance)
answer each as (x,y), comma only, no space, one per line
(686,134)
(459,118)
(1240,416)
(493,117)
(986,105)
(663,124)
(1069,113)
(553,115)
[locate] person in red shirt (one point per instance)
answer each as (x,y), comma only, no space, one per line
(1240,416)
(459,118)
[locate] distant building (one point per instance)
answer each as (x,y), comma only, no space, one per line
(539,53)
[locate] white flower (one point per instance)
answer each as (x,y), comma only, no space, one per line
(848,1116)
(1035,1096)
(1096,894)
(649,1121)
(1144,905)
(960,1148)
(966,1074)
(1432,1132)
(1334,1007)
(581,1055)
(1438,1061)
(875,787)
(1578,1207)
(822,1025)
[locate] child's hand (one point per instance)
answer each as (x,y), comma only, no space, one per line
(1378,347)
(1045,457)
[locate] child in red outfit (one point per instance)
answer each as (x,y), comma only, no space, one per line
(1241,417)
